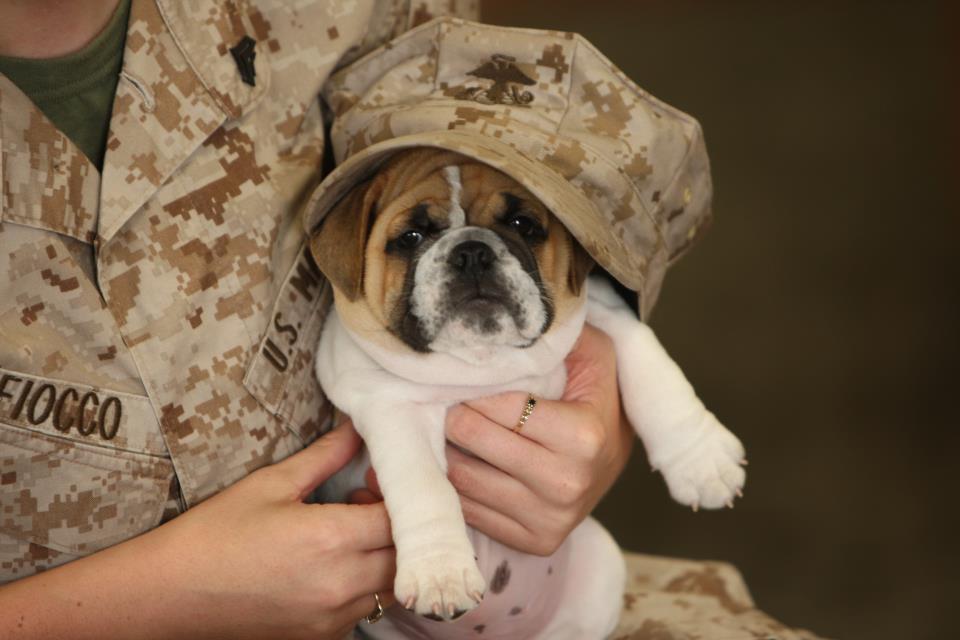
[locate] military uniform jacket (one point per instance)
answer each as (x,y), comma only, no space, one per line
(158,320)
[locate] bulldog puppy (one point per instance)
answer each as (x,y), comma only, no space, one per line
(452,282)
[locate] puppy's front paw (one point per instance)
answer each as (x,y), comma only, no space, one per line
(439,585)
(708,474)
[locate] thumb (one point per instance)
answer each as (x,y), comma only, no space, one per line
(331,451)
(591,368)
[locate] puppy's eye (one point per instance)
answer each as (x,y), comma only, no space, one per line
(410,239)
(524,225)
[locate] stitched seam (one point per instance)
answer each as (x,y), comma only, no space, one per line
(196,72)
(59,455)
(59,381)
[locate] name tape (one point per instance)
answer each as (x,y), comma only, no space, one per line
(77,411)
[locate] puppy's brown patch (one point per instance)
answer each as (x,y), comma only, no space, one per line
(360,246)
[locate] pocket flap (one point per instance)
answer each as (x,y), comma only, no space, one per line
(75,497)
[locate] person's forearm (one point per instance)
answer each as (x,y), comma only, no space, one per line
(123,592)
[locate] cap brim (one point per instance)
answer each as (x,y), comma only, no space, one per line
(569,204)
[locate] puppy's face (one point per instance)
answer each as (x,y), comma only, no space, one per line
(449,254)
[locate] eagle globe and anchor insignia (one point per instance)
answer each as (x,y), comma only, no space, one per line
(506,77)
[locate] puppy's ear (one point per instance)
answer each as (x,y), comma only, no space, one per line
(339,246)
(580,265)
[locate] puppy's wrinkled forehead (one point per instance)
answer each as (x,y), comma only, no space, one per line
(448,190)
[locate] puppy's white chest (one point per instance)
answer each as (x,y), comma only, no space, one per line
(398,403)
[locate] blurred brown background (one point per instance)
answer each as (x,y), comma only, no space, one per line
(819,316)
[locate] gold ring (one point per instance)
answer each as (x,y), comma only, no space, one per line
(527,410)
(377,613)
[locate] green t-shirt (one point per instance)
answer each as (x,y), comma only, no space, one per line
(76,91)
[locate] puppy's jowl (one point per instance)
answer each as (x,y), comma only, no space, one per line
(452,282)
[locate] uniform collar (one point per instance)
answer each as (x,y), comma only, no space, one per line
(179,84)
(205,32)
(45,180)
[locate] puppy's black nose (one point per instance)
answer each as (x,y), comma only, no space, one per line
(472,256)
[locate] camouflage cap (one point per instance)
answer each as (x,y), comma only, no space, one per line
(626,173)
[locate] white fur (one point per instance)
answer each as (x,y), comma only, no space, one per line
(456,216)
(451,378)
(398,403)
(698,457)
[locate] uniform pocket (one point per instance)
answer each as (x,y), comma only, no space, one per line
(76,498)
(280,374)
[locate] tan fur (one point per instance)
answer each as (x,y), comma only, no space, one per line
(367,291)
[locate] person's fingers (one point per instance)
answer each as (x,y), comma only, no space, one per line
(387,599)
(362,526)
(308,468)
(371,572)
(488,440)
(545,424)
(591,367)
(363,496)
(370,477)
(364,605)
(500,527)
(370,494)
(489,486)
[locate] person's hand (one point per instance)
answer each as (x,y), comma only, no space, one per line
(530,489)
(257,562)
(253,561)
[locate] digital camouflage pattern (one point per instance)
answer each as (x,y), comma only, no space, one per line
(674,599)
(157,321)
(626,173)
